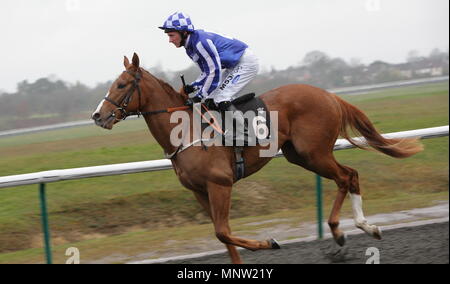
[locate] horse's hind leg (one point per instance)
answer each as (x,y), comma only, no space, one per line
(352,185)
(346,179)
(220,202)
(327,167)
(360,220)
(232,251)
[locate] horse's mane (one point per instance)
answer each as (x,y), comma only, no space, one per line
(166,86)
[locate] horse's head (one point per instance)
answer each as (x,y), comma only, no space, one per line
(123,98)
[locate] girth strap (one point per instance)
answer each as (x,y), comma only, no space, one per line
(240,163)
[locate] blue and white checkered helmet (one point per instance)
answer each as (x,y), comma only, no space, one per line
(178,22)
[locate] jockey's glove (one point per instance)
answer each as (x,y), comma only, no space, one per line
(191,101)
(223,106)
(188,89)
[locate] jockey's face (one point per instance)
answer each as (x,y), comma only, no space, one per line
(175,38)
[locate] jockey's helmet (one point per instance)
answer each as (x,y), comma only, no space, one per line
(178,22)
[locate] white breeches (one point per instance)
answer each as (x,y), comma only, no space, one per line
(235,79)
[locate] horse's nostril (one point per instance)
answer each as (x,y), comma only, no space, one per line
(96,116)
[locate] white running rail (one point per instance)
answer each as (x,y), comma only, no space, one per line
(159,165)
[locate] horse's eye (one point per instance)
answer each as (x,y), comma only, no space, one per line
(121,86)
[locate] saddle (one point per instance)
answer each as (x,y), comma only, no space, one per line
(256,120)
(255,128)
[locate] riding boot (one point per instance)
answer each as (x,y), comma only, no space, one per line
(240,134)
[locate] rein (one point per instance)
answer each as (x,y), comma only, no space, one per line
(127,99)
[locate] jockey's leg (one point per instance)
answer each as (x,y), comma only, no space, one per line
(232,134)
(234,81)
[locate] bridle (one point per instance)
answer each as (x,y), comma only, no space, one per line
(127,99)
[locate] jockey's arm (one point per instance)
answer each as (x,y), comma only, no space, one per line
(210,65)
(200,80)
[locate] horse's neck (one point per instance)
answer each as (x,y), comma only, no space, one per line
(161,96)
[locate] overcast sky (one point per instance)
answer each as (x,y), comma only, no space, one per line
(85,40)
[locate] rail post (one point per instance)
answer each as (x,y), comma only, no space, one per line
(45,227)
(319,206)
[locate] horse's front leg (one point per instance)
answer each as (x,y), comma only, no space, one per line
(220,202)
(232,251)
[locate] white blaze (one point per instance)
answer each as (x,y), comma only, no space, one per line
(100,105)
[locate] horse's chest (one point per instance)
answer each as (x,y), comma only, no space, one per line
(186,177)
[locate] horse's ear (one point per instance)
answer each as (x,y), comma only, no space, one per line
(136,60)
(126,62)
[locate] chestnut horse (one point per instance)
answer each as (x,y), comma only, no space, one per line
(309,122)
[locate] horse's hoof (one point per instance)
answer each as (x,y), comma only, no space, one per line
(377,233)
(274,244)
(341,240)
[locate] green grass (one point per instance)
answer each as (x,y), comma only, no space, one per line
(74,133)
(118,212)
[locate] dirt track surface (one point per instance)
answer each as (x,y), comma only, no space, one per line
(426,244)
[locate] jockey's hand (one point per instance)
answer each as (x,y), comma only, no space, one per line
(189,89)
(191,101)
(210,104)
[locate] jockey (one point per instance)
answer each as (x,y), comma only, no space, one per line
(213,52)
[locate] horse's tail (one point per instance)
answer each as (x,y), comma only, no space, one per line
(355,120)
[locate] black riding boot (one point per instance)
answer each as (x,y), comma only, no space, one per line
(239,132)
